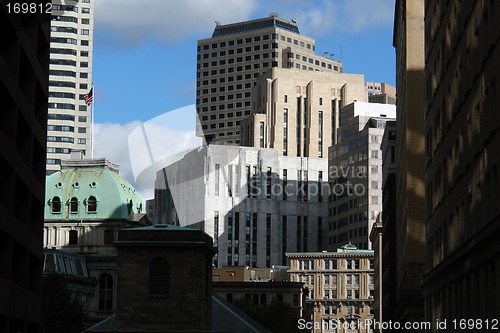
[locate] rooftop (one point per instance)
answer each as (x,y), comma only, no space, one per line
(259,24)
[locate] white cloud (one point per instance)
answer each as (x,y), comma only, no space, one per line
(314,19)
(364,14)
(141,149)
(135,21)
(111,142)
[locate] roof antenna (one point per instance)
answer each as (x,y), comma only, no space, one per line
(340,51)
(273,14)
(217,23)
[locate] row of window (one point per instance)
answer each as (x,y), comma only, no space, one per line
(66,84)
(69,19)
(66,106)
(68,73)
(64,128)
(239,51)
(67,62)
(224,88)
(67,8)
(69,30)
(332,264)
(223,106)
(73,204)
(239,59)
(69,51)
(238,77)
(257,39)
(222,125)
(73,41)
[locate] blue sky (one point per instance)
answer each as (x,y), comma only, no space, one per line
(145,51)
(144,63)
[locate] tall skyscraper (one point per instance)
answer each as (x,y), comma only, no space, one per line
(70,78)
(24,57)
(410,159)
(229,63)
(296,112)
(355,170)
(462,128)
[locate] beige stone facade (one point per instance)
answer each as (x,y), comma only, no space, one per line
(340,287)
(230,62)
(462,125)
(296,112)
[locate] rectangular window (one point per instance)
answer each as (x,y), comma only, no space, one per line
(217,177)
(261,135)
(283,239)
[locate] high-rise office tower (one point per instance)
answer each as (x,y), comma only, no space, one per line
(24,58)
(355,170)
(296,112)
(229,63)
(410,159)
(70,78)
(462,131)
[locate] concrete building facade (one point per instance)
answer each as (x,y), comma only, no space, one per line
(70,78)
(355,173)
(340,284)
(296,112)
(229,63)
(410,159)
(24,57)
(255,204)
(462,161)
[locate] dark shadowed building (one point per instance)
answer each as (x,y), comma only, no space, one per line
(462,127)
(164,279)
(24,65)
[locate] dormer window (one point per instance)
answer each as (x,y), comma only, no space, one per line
(56,205)
(92,204)
(73,205)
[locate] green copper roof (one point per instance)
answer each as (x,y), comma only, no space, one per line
(80,182)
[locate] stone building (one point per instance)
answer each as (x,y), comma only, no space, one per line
(296,112)
(340,284)
(87,202)
(229,63)
(355,170)
(410,159)
(462,141)
(256,204)
(164,279)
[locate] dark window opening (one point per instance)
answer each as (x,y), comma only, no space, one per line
(159,278)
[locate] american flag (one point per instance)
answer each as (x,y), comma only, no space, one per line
(89,97)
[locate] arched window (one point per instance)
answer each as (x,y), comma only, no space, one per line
(92,204)
(105,292)
(73,205)
(73,237)
(56,205)
(109,237)
(158,278)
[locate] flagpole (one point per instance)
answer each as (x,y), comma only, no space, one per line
(92,123)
